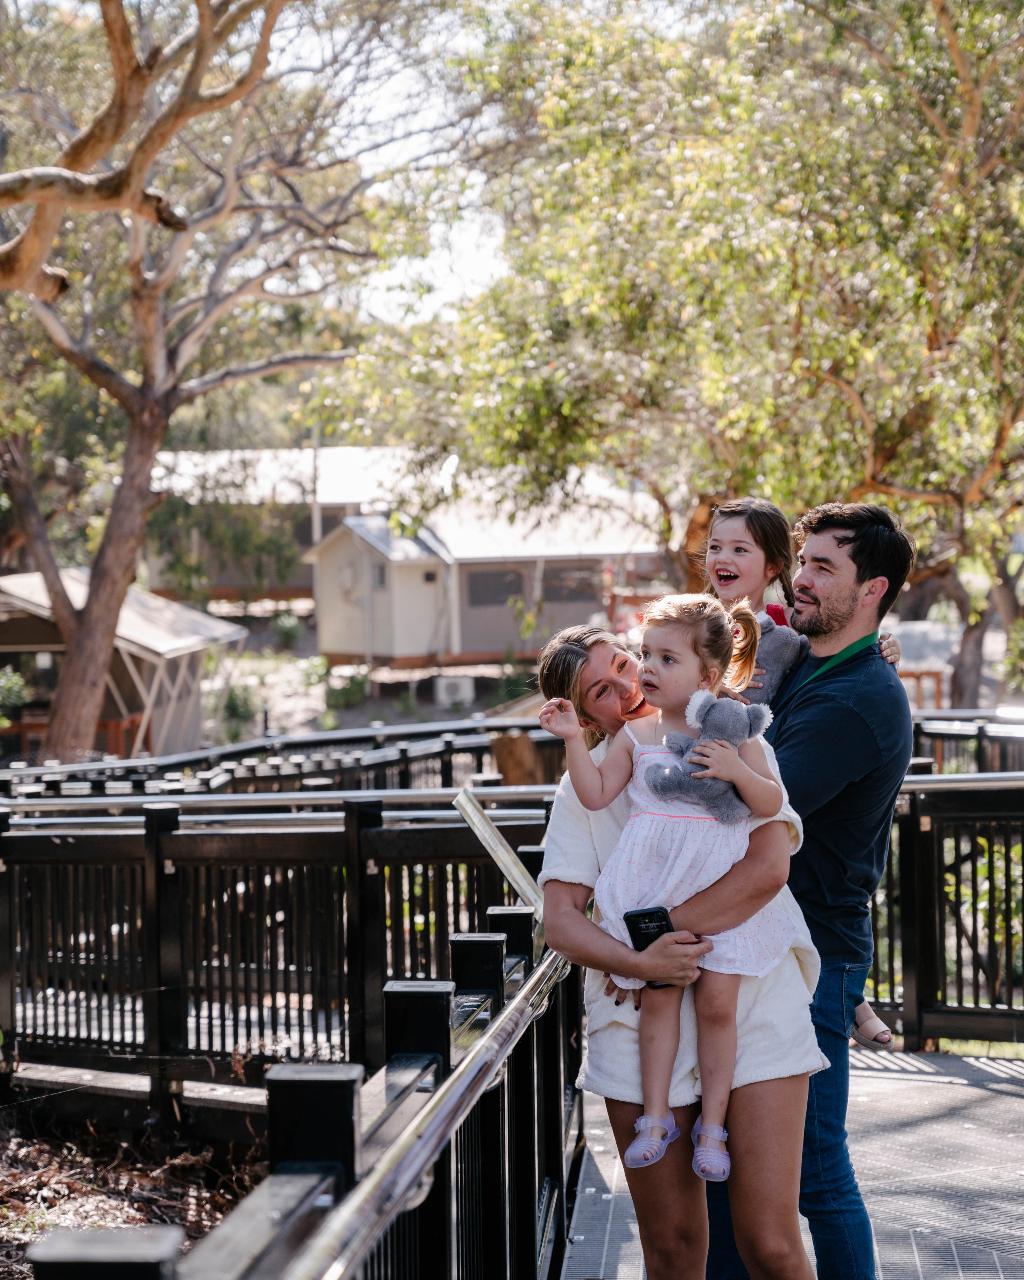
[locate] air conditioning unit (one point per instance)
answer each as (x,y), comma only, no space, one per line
(451,691)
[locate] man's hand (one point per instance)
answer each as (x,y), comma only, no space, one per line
(673,958)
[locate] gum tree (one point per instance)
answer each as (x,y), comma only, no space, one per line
(225,174)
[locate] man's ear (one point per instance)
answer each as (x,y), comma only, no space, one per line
(875,589)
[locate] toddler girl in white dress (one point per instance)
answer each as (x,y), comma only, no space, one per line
(672,849)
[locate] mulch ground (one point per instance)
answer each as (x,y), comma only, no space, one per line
(97,1181)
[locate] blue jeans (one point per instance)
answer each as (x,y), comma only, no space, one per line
(830,1199)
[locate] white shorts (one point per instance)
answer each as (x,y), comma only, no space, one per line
(774,1037)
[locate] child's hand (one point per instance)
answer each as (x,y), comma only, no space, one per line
(559,717)
(720,760)
(890,648)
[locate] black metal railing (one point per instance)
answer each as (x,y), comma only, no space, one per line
(949,957)
(971,741)
(184,950)
(459,1158)
(228,940)
(400,756)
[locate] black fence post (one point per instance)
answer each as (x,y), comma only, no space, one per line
(447,767)
(920,912)
(478,964)
(418,1019)
(519,926)
(164,1000)
(551,1084)
(404,771)
(364,936)
(313,1117)
(478,967)
(8,968)
(120,1253)
(532,858)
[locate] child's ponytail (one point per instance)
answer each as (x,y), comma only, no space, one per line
(746,636)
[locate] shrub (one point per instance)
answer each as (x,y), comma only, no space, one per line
(286,628)
(352,692)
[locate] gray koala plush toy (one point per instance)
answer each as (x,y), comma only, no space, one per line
(715,718)
(779,649)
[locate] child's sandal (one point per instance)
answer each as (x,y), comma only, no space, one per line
(645,1148)
(708,1162)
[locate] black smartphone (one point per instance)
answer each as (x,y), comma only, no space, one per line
(644,925)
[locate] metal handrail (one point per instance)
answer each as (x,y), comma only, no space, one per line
(222,801)
(350,1230)
(415,798)
(368,734)
(378,734)
(916,783)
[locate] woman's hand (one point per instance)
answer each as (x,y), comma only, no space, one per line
(720,760)
(559,717)
(756,682)
(673,958)
(890,648)
(621,994)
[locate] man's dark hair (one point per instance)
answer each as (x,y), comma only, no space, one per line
(878,544)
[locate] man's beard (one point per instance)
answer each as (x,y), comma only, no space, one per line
(825,619)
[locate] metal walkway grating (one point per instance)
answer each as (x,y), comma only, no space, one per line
(938,1142)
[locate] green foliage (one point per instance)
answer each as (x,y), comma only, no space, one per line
(1013,669)
(239,711)
(352,692)
(12,689)
(12,693)
(314,670)
(286,628)
(744,255)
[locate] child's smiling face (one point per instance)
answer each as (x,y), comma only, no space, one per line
(735,563)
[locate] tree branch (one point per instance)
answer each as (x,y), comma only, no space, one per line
(17,481)
(87,362)
(49,185)
(187,392)
(886,63)
(964,73)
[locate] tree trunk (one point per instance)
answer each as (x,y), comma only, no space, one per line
(697,530)
(965,687)
(914,602)
(81,688)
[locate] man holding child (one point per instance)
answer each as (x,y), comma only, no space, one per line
(842,735)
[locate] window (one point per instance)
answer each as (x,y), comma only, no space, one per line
(380,576)
(494,586)
(571,584)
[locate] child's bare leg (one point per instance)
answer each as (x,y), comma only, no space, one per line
(659,1044)
(715,996)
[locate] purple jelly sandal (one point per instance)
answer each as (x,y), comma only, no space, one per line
(645,1148)
(708,1162)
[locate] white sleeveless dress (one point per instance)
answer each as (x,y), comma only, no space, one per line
(671,849)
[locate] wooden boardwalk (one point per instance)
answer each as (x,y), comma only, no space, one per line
(938,1142)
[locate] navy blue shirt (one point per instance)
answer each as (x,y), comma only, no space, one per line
(843,744)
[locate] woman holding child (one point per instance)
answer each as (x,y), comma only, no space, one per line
(775,1045)
(594,685)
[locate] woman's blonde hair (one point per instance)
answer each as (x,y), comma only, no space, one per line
(722,636)
(560,667)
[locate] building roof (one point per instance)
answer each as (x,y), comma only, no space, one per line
(468,532)
(347,475)
(147,623)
